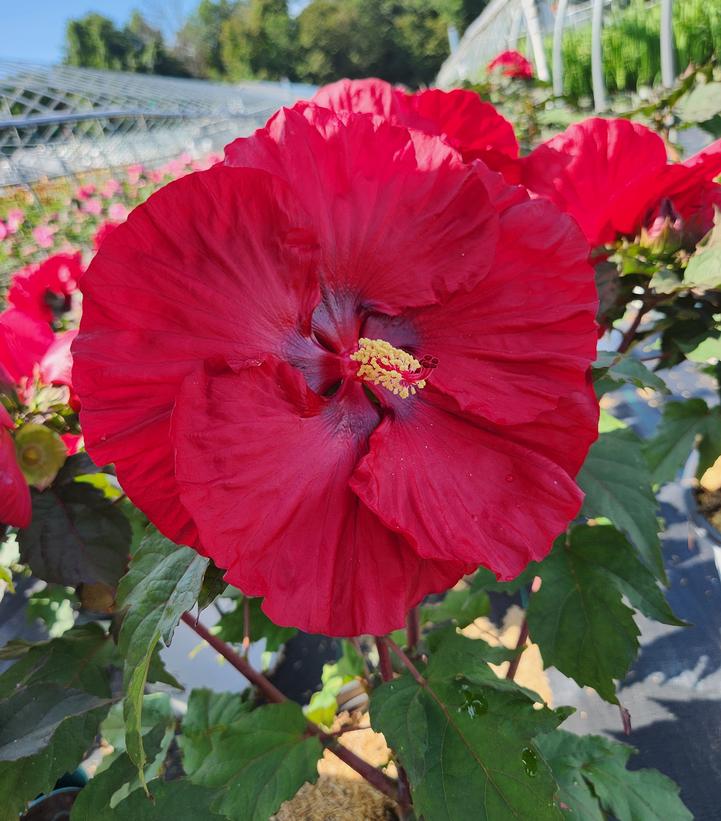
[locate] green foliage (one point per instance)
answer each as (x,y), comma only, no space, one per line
(231,625)
(683,426)
(462,605)
(52,700)
(703,271)
(76,535)
(258,41)
(254,760)
(163,582)
(94,41)
(578,617)
(466,739)
(631,54)
(611,370)
(323,705)
(617,482)
(591,772)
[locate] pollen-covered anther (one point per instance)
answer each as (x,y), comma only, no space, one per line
(392,368)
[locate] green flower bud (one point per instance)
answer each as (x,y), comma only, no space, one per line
(41,453)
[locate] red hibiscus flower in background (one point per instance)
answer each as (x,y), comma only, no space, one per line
(511,64)
(15,507)
(614,178)
(23,343)
(379,380)
(42,290)
(469,124)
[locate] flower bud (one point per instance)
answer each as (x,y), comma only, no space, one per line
(41,453)
(665,234)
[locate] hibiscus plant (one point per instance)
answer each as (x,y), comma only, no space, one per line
(346,380)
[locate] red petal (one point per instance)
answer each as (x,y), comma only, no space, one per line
(400,220)
(523,339)
(458,492)
(216,264)
(368,96)
(15,507)
(591,169)
(263,465)
(23,343)
(59,274)
(57,364)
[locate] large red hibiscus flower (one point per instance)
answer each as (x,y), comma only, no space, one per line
(346,365)
(469,124)
(614,178)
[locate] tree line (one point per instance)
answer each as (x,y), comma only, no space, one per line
(398,40)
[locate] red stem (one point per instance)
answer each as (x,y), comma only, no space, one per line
(522,638)
(413,629)
(373,776)
(384,659)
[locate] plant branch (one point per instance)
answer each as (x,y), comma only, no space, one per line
(413,629)
(522,638)
(384,659)
(405,661)
(372,775)
(628,337)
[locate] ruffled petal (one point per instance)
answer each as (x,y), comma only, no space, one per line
(57,364)
(459,492)
(56,277)
(15,506)
(401,221)
(24,339)
(471,125)
(217,264)
(263,465)
(523,339)
(591,169)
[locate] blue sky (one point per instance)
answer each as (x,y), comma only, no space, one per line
(35,29)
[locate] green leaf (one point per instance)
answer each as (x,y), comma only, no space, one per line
(611,370)
(163,582)
(259,759)
(704,268)
(178,799)
(156,712)
(55,681)
(682,424)
(23,780)
(578,618)
(209,714)
(98,800)
(591,772)
(76,535)
(30,717)
(607,422)
(617,483)
(709,349)
(212,587)
(231,626)
(463,606)
(467,744)
(701,104)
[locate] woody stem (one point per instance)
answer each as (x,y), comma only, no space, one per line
(373,776)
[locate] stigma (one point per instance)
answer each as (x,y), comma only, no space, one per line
(392,368)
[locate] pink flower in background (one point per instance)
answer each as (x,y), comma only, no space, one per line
(111,188)
(16,217)
(3,230)
(94,207)
(512,64)
(43,235)
(117,211)
(56,366)
(135,172)
(84,192)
